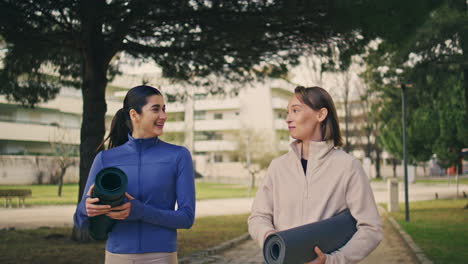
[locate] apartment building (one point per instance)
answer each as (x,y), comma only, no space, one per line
(28,136)
(213,126)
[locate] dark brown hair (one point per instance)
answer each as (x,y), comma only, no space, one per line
(318,98)
(121,124)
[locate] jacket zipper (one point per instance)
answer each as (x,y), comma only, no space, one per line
(139,191)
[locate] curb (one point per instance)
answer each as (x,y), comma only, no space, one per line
(216,249)
(415,249)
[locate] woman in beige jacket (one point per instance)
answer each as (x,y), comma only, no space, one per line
(315,181)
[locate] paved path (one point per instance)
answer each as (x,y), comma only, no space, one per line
(33,217)
(392,250)
(62,215)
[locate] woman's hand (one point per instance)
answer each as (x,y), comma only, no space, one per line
(121,212)
(320,259)
(93,209)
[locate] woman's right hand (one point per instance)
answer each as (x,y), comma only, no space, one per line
(93,209)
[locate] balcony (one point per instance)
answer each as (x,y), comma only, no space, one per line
(279,103)
(217,104)
(178,126)
(38,133)
(281,124)
(215,145)
(175,107)
(216,125)
(70,104)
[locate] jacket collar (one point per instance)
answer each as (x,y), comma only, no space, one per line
(317,149)
(141,143)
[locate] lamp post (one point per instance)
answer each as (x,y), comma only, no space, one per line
(405,150)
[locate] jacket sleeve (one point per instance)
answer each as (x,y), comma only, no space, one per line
(361,203)
(184,216)
(260,221)
(80,217)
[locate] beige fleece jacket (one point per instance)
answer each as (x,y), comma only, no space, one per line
(334,181)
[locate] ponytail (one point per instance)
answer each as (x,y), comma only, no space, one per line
(120,127)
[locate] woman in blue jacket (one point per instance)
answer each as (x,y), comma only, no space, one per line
(159,175)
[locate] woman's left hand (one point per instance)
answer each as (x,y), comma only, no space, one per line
(320,259)
(121,212)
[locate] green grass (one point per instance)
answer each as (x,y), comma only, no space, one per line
(439,227)
(443,181)
(207,190)
(55,246)
(47,194)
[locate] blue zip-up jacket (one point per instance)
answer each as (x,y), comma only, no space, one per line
(159,175)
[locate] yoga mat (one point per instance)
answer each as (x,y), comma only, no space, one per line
(110,187)
(296,245)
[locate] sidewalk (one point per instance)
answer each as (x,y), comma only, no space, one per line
(62,215)
(392,250)
(54,216)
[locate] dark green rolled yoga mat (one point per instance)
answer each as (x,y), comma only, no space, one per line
(296,245)
(110,187)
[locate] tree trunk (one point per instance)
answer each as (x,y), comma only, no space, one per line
(95,64)
(377,162)
(60,182)
(346,106)
(252,182)
(394,164)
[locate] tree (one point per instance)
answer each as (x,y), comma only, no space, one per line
(370,130)
(256,153)
(189,40)
(435,110)
(64,154)
(192,40)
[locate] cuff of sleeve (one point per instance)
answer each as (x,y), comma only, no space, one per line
(137,210)
(262,233)
(328,259)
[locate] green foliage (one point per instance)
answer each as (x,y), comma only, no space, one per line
(431,61)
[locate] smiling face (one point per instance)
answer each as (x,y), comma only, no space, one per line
(304,122)
(150,122)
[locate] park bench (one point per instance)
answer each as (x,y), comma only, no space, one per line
(9,194)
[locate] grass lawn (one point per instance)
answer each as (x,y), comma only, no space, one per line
(439,227)
(47,194)
(55,246)
(463,180)
(208,190)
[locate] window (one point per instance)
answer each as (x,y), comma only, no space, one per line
(281,114)
(234,157)
(208,135)
(218,157)
(176,116)
(218,116)
(199,115)
(200,96)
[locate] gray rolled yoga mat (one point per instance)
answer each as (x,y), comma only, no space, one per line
(110,187)
(296,245)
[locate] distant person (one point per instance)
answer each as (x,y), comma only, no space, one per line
(159,175)
(315,181)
